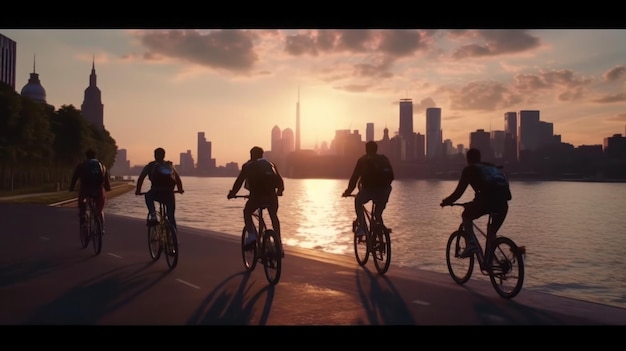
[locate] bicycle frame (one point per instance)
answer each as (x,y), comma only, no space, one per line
(480,253)
(370,218)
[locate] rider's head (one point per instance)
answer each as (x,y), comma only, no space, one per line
(473,156)
(256,153)
(90,154)
(159,154)
(371,147)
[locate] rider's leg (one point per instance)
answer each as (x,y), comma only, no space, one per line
(472,211)
(82,206)
(499,214)
(248,209)
(273,212)
(380,199)
(170,205)
(100,200)
(150,197)
(361,198)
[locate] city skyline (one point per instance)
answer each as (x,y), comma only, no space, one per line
(159,90)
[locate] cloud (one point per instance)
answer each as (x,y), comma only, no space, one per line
(493,42)
(482,96)
(231,50)
(394,43)
(617,118)
(565,83)
(620,97)
(423,105)
(615,73)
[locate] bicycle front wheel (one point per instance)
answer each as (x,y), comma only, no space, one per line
(381,248)
(171,246)
(154,242)
(460,268)
(272,257)
(507,271)
(96,234)
(249,254)
(361,246)
(83,231)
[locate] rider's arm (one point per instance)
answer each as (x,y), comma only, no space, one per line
(142,175)
(281,183)
(460,188)
(239,181)
(107,182)
(75,177)
(354,178)
(179,182)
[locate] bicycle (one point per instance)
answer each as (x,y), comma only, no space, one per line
(163,237)
(93,222)
(267,250)
(506,272)
(377,240)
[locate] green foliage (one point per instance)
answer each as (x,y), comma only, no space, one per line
(39,145)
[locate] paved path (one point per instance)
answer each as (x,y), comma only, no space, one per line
(46,278)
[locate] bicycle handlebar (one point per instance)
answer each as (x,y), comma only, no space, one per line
(241,196)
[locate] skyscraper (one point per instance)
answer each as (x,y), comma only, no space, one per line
(276,141)
(205,163)
(92,107)
(369,132)
(8,53)
(406,118)
(298,122)
(511,146)
(433,133)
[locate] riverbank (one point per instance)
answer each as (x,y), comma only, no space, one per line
(63,197)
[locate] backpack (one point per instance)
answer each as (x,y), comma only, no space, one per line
(94,173)
(495,181)
(378,172)
(262,177)
(163,175)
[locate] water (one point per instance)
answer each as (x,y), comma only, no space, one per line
(573,231)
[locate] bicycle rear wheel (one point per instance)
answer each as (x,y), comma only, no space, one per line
(83,232)
(272,257)
(460,268)
(171,246)
(361,246)
(507,272)
(154,241)
(249,254)
(96,234)
(381,249)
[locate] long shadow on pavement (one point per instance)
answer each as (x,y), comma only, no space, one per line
(509,312)
(88,302)
(228,305)
(381,300)
(20,271)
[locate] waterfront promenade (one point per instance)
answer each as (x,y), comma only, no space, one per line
(46,278)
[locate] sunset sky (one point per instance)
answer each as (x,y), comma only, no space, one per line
(162,87)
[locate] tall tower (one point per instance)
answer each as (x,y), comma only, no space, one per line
(276,141)
(298,122)
(433,133)
(92,107)
(8,50)
(33,88)
(369,131)
(510,137)
(406,118)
